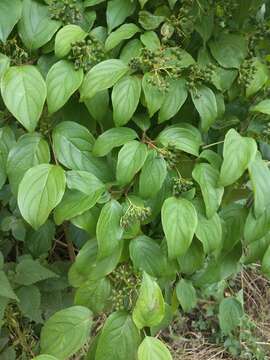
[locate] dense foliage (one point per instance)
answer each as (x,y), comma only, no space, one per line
(134,153)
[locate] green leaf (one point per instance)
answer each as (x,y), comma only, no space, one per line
(36,27)
(118,11)
(112,138)
(193,259)
(94,295)
(230,314)
(6,290)
(149,21)
(4,64)
(75,203)
(143,2)
(184,137)
(109,232)
(30,271)
(10,13)
(66,332)
(7,141)
(125,99)
(29,304)
(173,101)
(130,50)
(238,153)
(124,32)
(186,295)
(40,242)
(44,357)
(62,73)
(131,158)
(119,339)
(72,145)
(209,232)
(259,78)
(98,105)
(87,221)
(154,97)
(40,191)
(266,263)
(205,102)
(24,92)
(262,107)
(256,228)
(85,182)
(102,76)
(153,174)
(147,255)
(179,222)
(65,37)
(153,349)
(207,177)
(260,179)
(92,2)
(150,40)
(229,50)
(30,150)
(212,157)
(150,307)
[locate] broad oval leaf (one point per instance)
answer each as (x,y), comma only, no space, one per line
(153,174)
(209,232)
(109,232)
(66,332)
(229,50)
(65,37)
(260,179)
(85,182)
(62,81)
(256,228)
(179,222)
(230,314)
(102,76)
(186,295)
(150,307)
(40,191)
(10,13)
(262,107)
(124,32)
(184,137)
(146,254)
(130,160)
(154,97)
(118,11)
(24,92)
(72,145)
(30,150)
(238,153)
(36,27)
(119,338)
(205,102)
(94,295)
(125,99)
(75,203)
(153,349)
(113,138)
(207,177)
(173,101)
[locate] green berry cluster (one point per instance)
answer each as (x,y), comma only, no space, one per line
(261,32)
(134,214)
(14,50)
(171,155)
(247,72)
(183,22)
(67,11)
(198,75)
(125,286)
(224,11)
(86,53)
(163,64)
(181,185)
